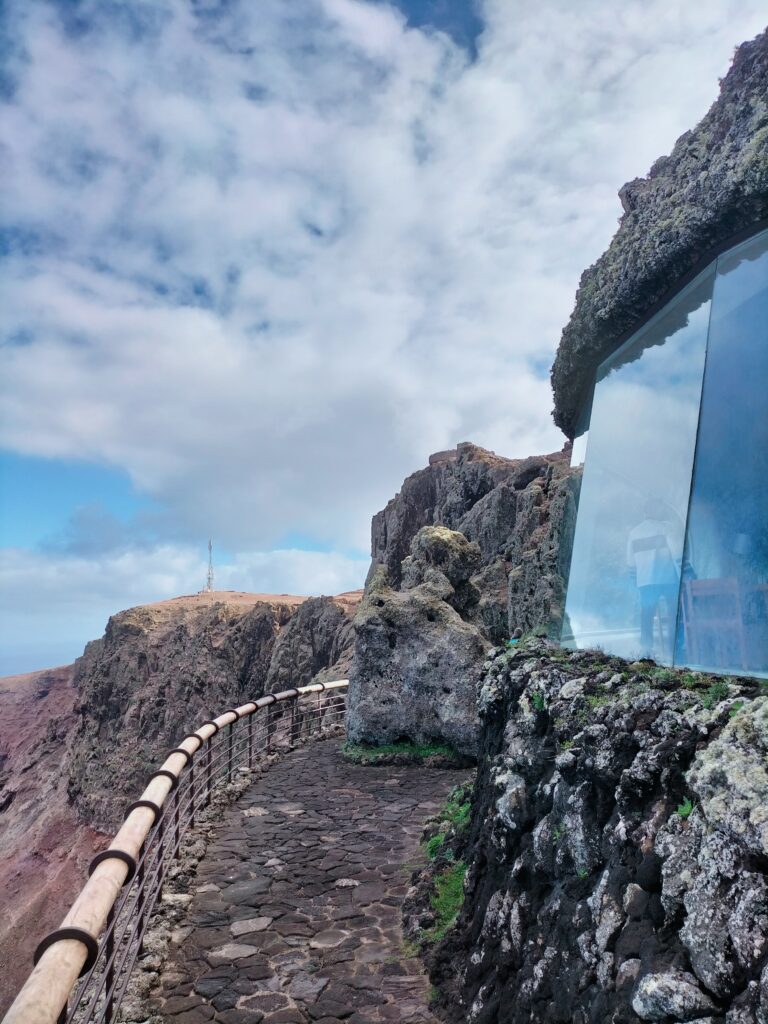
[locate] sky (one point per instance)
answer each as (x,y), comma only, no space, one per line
(259,260)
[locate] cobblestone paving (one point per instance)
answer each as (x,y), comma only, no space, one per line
(296,916)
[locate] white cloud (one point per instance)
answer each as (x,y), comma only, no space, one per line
(285,251)
(74,595)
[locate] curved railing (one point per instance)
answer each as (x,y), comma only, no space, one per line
(101,936)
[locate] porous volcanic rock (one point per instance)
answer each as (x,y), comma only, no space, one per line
(417,661)
(713,185)
(616,859)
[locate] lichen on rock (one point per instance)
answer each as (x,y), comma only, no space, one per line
(615,872)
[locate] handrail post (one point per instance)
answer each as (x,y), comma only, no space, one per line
(141,875)
(109,950)
(250,741)
(161,851)
(230,727)
(192,793)
(294,720)
(176,828)
(208,772)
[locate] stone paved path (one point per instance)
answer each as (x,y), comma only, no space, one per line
(296,916)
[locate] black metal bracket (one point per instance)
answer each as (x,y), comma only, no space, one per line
(71,933)
(146,803)
(126,858)
(232,711)
(181,750)
(215,727)
(166,774)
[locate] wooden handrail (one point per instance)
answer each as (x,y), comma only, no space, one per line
(66,956)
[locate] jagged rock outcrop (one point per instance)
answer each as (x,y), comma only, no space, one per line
(161,669)
(315,643)
(618,850)
(514,509)
(417,658)
(470,551)
(713,185)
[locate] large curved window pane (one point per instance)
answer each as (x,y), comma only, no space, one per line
(724,602)
(626,563)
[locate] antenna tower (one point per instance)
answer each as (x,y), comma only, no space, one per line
(209,576)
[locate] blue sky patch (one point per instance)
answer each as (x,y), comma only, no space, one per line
(39,496)
(459,19)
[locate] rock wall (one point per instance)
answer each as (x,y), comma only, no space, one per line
(472,549)
(713,185)
(618,851)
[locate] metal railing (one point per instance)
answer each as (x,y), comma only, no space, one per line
(101,936)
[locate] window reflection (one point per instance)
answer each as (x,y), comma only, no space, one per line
(671,561)
(628,545)
(724,601)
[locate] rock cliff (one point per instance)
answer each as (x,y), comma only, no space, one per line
(712,186)
(466,554)
(160,669)
(617,859)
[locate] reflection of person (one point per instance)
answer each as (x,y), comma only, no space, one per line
(654,554)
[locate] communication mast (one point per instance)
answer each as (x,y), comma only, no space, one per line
(209,577)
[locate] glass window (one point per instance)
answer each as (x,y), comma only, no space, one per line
(628,545)
(723,622)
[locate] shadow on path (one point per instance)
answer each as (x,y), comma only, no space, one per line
(296,916)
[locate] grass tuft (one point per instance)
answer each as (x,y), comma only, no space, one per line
(685,808)
(362,753)
(447,900)
(435,845)
(715,693)
(557,833)
(458,808)
(537,699)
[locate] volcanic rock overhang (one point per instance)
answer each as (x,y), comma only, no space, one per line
(707,194)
